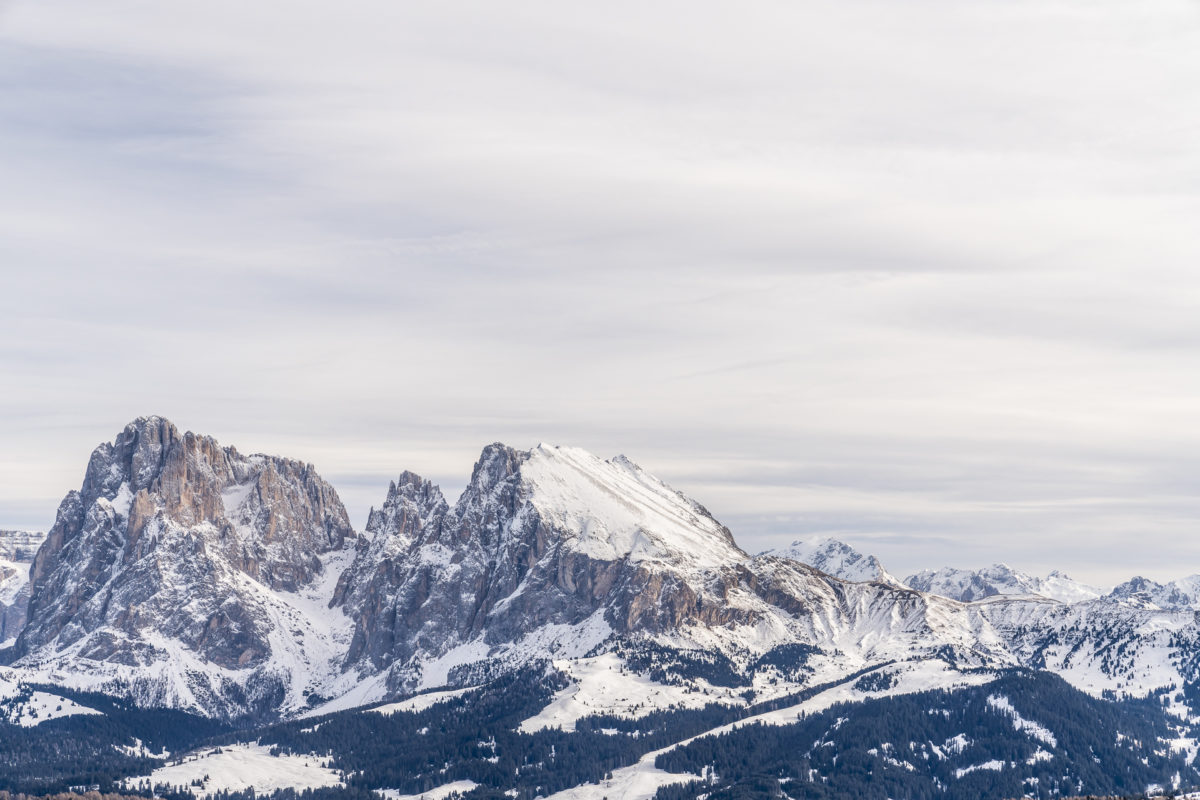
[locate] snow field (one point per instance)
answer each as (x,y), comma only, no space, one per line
(243,766)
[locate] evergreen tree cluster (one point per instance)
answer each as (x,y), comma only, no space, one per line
(907,746)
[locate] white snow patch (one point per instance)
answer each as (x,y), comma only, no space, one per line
(640,781)
(436,671)
(123,500)
(438,793)
(1040,755)
(244,766)
(1033,729)
(992,765)
(603,684)
(233,497)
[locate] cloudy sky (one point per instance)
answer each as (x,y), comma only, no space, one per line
(921,275)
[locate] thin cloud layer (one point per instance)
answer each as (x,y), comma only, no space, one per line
(921,276)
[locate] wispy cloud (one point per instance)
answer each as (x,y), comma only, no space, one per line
(923,275)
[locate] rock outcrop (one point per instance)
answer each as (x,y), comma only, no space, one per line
(178,547)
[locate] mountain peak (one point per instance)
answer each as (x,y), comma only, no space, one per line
(614,509)
(999,579)
(836,558)
(175,533)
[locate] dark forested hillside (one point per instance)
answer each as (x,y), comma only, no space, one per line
(959,745)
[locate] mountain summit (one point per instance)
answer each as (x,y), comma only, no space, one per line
(165,570)
(546,537)
(837,558)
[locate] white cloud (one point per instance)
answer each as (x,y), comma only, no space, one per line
(919,273)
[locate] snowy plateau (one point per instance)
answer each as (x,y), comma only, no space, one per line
(198,622)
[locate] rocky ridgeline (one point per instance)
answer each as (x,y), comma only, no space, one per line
(183,573)
(557,540)
(152,555)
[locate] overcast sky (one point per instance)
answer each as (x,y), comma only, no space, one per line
(921,275)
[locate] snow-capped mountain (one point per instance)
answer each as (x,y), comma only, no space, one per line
(554,551)
(558,587)
(17,549)
(999,579)
(1177,595)
(186,574)
(189,575)
(837,558)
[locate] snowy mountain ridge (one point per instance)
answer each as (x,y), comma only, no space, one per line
(185,574)
(1000,579)
(837,558)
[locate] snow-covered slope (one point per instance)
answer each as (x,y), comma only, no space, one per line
(837,558)
(999,579)
(238,767)
(1099,645)
(613,510)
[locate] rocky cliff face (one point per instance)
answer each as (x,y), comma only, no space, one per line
(175,551)
(548,537)
(17,549)
(553,552)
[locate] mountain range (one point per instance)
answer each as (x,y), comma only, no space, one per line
(184,575)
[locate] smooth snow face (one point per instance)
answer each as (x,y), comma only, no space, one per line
(836,558)
(1065,589)
(244,766)
(617,510)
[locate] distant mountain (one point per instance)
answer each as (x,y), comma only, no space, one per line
(999,579)
(837,558)
(17,549)
(1177,595)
